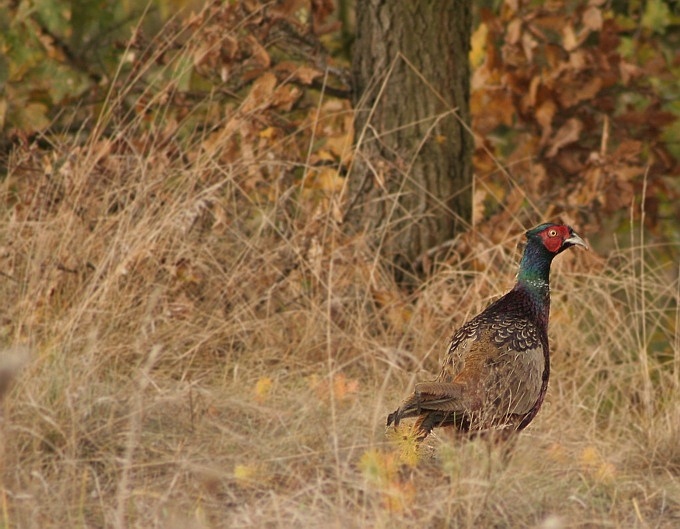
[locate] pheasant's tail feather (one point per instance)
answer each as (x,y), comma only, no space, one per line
(409,408)
(421,428)
(426,423)
(394,418)
(434,403)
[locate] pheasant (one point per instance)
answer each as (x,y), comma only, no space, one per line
(495,374)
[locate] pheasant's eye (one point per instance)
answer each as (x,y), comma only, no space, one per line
(552,233)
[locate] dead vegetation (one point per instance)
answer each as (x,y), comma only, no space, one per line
(195,342)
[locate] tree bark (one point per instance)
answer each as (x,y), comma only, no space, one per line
(411,181)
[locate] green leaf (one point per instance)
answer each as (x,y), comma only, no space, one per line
(656,16)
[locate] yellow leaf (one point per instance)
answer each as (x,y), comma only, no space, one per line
(590,456)
(262,389)
(249,475)
(245,472)
(323,155)
(596,466)
(514,31)
(326,179)
(478,45)
(267,133)
(341,145)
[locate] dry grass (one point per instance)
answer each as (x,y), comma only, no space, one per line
(201,356)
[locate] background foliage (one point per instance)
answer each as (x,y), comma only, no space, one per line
(579,100)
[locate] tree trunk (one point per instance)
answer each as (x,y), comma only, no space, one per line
(411,182)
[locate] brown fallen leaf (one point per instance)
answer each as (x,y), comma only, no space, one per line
(568,133)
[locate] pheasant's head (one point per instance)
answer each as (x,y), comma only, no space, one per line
(544,242)
(554,237)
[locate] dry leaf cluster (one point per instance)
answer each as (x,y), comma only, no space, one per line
(574,99)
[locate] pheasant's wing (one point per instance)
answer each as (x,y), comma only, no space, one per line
(492,382)
(440,395)
(445,401)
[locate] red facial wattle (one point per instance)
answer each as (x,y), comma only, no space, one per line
(554,236)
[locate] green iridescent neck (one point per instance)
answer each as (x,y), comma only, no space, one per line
(534,269)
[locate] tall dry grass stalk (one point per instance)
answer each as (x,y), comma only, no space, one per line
(200,355)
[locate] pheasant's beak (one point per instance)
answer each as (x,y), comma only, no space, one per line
(575,240)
